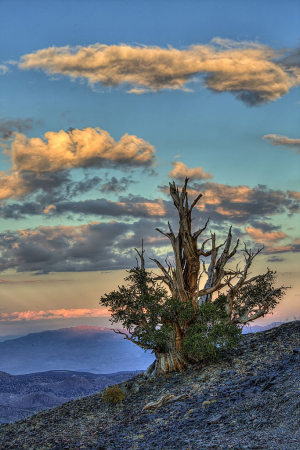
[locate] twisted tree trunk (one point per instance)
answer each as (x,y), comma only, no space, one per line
(172,360)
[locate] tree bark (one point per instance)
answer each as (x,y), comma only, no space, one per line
(165,362)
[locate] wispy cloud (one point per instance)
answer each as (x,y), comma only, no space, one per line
(114,185)
(10,281)
(9,126)
(53,314)
(181,171)
(3,69)
(275,139)
(250,71)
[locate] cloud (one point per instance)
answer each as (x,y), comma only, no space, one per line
(89,147)
(3,69)
(91,247)
(133,206)
(114,185)
(181,171)
(18,184)
(84,186)
(53,314)
(275,259)
(264,226)
(239,203)
(130,206)
(49,209)
(7,281)
(9,126)
(294,194)
(264,236)
(292,59)
(38,162)
(275,139)
(249,70)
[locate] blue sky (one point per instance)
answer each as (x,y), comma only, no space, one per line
(239,124)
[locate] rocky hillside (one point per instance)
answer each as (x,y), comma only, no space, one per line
(249,399)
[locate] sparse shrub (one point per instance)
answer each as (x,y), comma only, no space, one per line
(113,394)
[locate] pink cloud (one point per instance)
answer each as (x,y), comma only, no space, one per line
(49,314)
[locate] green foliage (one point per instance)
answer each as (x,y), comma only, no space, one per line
(152,318)
(258,294)
(139,307)
(211,332)
(113,395)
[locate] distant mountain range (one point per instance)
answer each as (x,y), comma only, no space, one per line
(24,395)
(257,328)
(83,348)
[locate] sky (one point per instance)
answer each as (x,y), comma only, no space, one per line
(102,104)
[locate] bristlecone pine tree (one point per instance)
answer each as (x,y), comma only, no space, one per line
(189,325)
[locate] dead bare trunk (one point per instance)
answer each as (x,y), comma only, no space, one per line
(183,280)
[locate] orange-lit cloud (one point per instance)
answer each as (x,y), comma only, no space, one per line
(49,209)
(89,147)
(240,202)
(53,314)
(142,208)
(61,151)
(246,69)
(181,171)
(267,237)
(216,194)
(275,139)
(294,194)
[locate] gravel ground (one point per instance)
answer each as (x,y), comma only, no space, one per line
(250,399)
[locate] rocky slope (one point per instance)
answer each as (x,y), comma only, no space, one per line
(249,399)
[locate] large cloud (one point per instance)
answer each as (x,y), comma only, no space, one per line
(275,139)
(90,247)
(37,160)
(249,70)
(135,207)
(181,171)
(89,147)
(240,203)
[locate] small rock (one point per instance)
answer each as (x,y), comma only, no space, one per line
(214,419)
